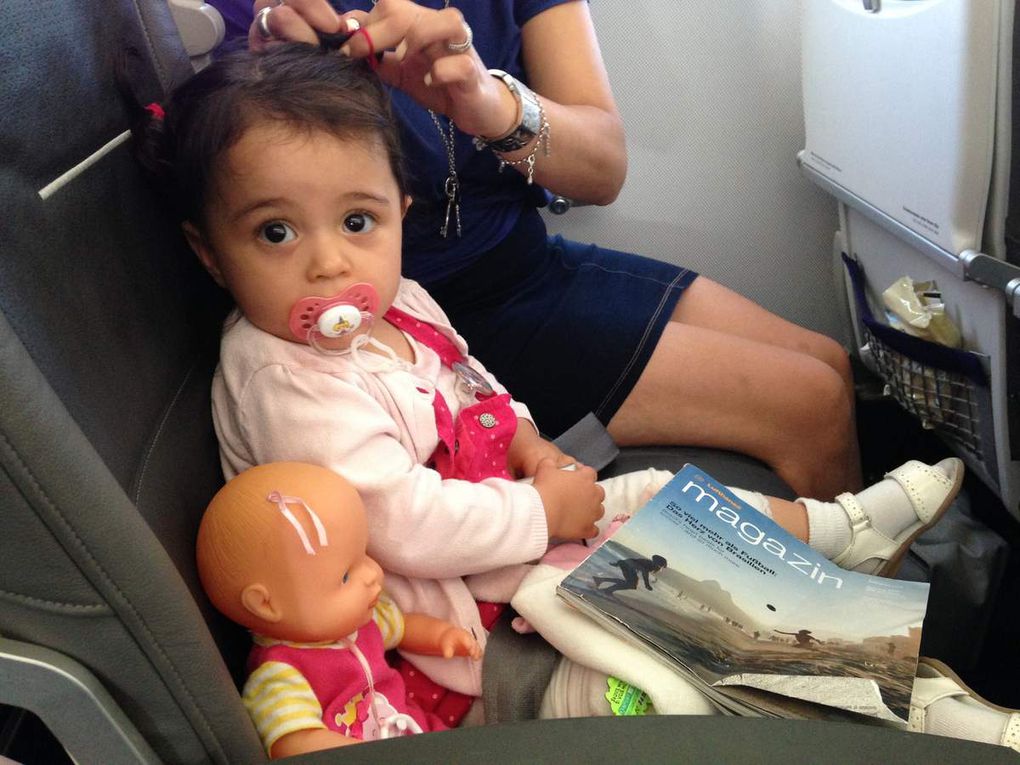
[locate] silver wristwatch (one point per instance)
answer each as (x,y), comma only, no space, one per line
(531,117)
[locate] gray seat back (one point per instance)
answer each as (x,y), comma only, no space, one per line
(107,344)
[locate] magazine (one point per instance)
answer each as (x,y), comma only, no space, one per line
(762,623)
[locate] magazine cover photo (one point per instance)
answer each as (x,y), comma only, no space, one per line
(731,597)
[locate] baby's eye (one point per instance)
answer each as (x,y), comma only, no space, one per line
(359,223)
(276,232)
(345,577)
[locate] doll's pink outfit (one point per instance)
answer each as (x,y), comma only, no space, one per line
(341,685)
(373,421)
(345,686)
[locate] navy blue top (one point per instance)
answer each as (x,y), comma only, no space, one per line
(490,201)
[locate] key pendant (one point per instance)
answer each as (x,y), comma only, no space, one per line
(452,206)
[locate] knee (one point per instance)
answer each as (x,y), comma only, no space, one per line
(833,355)
(824,412)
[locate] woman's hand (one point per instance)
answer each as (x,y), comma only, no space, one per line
(528,448)
(418,60)
(416,57)
(588,158)
(294,21)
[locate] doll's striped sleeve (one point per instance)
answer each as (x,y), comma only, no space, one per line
(390,620)
(280,701)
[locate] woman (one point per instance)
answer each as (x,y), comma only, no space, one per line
(661,355)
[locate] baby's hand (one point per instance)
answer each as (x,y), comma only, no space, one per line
(528,448)
(572,500)
(459,642)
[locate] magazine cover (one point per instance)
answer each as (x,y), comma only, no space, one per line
(732,598)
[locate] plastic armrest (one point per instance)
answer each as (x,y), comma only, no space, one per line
(201,27)
(72,703)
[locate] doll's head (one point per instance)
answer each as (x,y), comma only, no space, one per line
(281,550)
(286,169)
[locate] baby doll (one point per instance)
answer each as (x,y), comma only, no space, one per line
(281,550)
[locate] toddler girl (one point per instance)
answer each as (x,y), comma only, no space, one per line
(287,171)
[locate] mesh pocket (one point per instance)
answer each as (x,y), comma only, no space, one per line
(945,388)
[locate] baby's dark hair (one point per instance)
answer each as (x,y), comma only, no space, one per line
(300,86)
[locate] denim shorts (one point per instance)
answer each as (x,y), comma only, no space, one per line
(566,327)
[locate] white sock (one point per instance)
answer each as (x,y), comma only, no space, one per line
(828,527)
(885,503)
(957,718)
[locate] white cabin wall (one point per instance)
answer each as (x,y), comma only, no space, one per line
(710,94)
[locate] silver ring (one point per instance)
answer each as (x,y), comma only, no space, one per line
(462,47)
(262,23)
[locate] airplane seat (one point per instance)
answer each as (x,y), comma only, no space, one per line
(108,335)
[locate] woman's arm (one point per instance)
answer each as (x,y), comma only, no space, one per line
(587,160)
(588,157)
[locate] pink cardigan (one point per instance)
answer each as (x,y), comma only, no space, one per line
(373,423)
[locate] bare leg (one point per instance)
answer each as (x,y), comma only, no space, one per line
(792,516)
(728,374)
(706,388)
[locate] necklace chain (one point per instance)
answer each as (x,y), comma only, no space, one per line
(452,185)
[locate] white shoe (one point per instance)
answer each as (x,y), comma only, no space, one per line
(935,681)
(930,489)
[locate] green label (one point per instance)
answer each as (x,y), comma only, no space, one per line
(625,699)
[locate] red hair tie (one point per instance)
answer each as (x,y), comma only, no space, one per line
(156,111)
(372,60)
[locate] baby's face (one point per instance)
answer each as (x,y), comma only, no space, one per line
(294,215)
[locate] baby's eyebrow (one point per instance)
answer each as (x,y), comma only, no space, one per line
(367,196)
(257,204)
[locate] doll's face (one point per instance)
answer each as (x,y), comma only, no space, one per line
(329,595)
(295,215)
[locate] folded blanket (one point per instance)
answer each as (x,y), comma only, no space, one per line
(584,641)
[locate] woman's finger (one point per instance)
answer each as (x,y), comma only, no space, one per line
(384,31)
(453,72)
(318,14)
(283,24)
(290,21)
(361,17)
(438,34)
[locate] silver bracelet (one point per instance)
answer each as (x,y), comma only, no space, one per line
(532,123)
(529,160)
(530,109)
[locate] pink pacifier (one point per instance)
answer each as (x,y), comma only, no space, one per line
(315,318)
